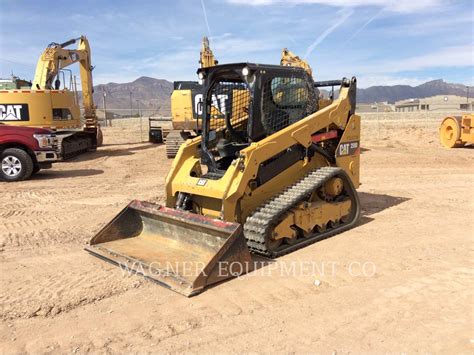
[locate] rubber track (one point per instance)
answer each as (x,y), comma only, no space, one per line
(259,225)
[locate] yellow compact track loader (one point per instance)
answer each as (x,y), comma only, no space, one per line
(271,173)
(457,131)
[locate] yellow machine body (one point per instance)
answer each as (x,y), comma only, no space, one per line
(306,172)
(231,197)
(55,109)
(183,112)
(457,131)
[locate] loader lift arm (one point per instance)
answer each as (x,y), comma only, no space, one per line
(56,57)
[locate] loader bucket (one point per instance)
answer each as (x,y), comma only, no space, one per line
(183,251)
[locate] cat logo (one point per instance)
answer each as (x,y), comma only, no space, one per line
(74,56)
(348,148)
(14,112)
(218,101)
(202,182)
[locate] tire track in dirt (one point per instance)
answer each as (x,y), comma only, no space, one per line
(73,301)
(24,242)
(32,240)
(394,308)
(60,284)
(8,212)
(44,196)
(28,223)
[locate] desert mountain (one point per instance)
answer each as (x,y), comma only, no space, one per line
(402,92)
(154,94)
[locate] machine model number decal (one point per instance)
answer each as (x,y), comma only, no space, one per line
(202,182)
(14,112)
(348,148)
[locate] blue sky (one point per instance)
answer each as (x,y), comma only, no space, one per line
(381,42)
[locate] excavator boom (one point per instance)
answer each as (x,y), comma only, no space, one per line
(57,57)
(206,56)
(290,59)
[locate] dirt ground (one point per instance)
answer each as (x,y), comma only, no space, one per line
(401,281)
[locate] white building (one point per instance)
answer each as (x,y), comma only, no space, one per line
(436,103)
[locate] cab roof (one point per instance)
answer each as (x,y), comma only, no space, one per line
(251,66)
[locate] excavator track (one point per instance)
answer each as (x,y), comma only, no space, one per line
(260,224)
(173,141)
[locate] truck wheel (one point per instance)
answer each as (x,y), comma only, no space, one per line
(36,170)
(15,165)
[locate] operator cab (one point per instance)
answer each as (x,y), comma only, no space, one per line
(245,102)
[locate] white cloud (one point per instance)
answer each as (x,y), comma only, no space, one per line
(360,29)
(446,25)
(365,81)
(205,18)
(342,16)
(447,57)
(393,5)
(230,45)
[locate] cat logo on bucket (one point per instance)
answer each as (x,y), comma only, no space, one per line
(14,112)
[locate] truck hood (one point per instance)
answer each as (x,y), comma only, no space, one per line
(4,128)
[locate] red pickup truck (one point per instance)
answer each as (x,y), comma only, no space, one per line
(25,150)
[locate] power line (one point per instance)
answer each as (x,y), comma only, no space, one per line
(14,62)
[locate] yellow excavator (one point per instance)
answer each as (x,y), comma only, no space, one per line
(271,173)
(185,107)
(48,104)
(457,131)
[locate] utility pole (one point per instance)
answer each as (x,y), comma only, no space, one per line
(141,125)
(378,120)
(467,96)
(131,112)
(105,110)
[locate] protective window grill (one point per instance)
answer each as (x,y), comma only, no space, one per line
(230,101)
(285,101)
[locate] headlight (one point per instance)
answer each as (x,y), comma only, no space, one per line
(201,76)
(245,71)
(46,140)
